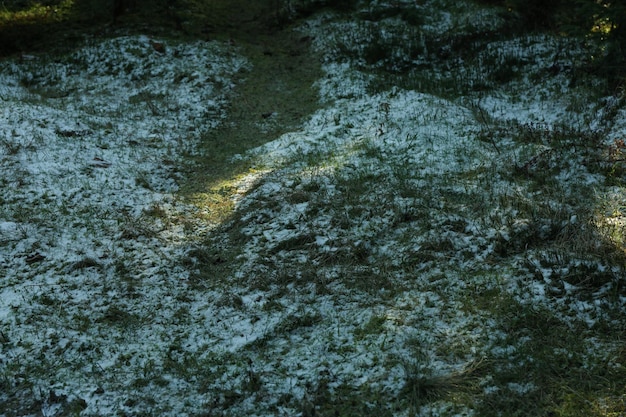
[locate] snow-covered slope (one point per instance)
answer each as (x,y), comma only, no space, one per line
(425,238)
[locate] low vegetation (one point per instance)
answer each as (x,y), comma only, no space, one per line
(408,210)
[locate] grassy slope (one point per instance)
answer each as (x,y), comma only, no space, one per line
(271,98)
(428,291)
(530,356)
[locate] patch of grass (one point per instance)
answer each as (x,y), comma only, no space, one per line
(373,327)
(118,316)
(370,280)
(542,365)
(86,262)
(423,386)
(389,48)
(135,227)
(299,320)
(298,242)
(277,78)
(346,400)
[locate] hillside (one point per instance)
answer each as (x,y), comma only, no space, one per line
(407,210)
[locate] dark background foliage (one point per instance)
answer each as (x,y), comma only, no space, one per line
(55,23)
(603,21)
(28,24)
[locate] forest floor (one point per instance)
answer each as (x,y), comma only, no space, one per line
(408,210)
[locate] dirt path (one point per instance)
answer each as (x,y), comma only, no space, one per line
(273,97)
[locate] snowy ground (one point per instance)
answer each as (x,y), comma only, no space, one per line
(404,251)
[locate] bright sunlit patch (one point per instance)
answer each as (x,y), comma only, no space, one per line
(246,183)
(603,26)
(37,13)
(611,218)
(218,202)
